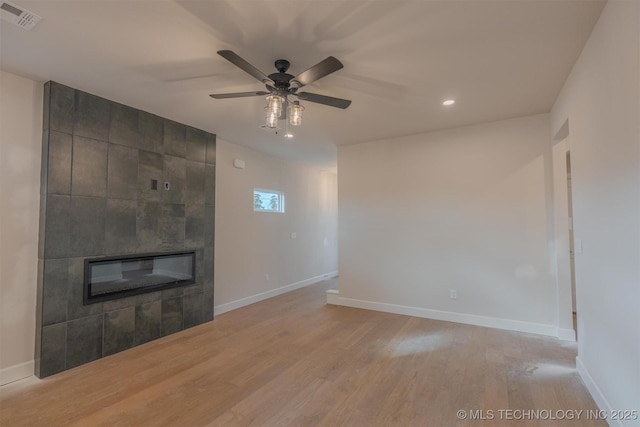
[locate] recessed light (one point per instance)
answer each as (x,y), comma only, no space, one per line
(448,102)
(288,135)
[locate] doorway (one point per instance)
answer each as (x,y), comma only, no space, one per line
(563,236)
(572,263)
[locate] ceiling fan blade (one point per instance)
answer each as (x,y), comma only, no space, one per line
(245,66)
(237,94)
(318,71)
(323,99)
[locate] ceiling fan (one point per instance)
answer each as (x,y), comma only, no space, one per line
(284,85)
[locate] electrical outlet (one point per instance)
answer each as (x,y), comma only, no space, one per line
(454,294)
(266,277)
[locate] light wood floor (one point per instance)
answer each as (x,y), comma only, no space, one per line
(295,361)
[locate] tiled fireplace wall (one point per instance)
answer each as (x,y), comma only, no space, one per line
(99,160)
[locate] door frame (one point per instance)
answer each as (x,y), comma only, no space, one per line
(562,257)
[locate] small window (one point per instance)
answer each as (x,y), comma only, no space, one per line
(268,200)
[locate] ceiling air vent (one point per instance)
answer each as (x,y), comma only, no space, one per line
(18,16)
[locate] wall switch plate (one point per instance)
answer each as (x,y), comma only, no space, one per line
(453,294)
(294,235)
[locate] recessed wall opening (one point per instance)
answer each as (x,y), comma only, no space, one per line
(110,278)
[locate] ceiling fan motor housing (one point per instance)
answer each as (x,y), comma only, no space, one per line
(281,79)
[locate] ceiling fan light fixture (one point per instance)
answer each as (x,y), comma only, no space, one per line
(271,119)
(274,104)
(295,113)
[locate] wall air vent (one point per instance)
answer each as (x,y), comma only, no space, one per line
(17,15)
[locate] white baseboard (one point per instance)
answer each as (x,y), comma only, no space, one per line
(16,372)
(567,334)
(597,395)
(333,297)
(223,308)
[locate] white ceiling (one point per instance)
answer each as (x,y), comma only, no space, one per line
(498,59)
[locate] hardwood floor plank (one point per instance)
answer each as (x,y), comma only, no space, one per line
(295,361)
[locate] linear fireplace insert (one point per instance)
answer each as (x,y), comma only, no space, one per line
(110,278)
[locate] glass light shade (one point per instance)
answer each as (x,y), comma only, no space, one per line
(271,119)
(295,113)
(274,103)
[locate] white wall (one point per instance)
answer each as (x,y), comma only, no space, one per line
(20,154)
(466,209)
(251,245)
(600,100)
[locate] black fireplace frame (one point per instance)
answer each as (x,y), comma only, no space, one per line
(87,298)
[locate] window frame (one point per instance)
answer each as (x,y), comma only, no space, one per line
(280,195)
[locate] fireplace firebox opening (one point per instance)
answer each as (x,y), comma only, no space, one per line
(110,278)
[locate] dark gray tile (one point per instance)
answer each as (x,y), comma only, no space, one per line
(122,176)
(61,108)
(209,226)
(89,171)
(194,226)
(207,306)
(195,183)
(200,265)
(46,109)
(171,316)
(192,309)
(151,131)
(148,297)
(193,289)
(210,185)
(52,350)
(148,220)
(172,226)
(119,304)
(91,117)
(123,127)
(44,159)
(75,306)
(54,291)
(58,227)
(59,163)
(172,293)
(211,149)
(208,269)
(148,322)
(39,293)
(175,173)
(150,167)
(120,234)
(84,340)
(119,327)
(87,226)
(174,141)
(196,144)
